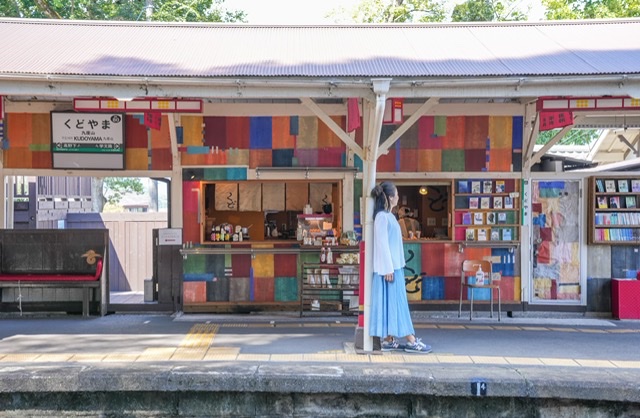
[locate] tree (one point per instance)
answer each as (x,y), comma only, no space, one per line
(573,137)
(591,9)
(112,189)
(487,11)
(394,11)
(162,10)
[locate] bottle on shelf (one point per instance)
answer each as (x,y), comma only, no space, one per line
(329,256)
(479,275)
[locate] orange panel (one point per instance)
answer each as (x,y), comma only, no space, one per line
(387,163)
(500,160)
(471,253)
(455,133)
(136,159)
(259,158)
(161,159)
(408,160)
(326,137)
(194,292)
(17,158)
(433,259)
(500,132)
(19,129)
(280,136)
(429,160)
(41,159)
(192,130)
(238,132)
(161,138)
(41,128)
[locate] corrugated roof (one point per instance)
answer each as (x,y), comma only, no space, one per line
(222,50)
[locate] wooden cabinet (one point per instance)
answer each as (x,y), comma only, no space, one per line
(614,216)
(487,210)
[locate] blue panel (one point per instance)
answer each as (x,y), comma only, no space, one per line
(282,157)
(398,154)
(223,173)
(432,288)
(198,150)
(358,163)
(294,125)
(179,134)
(516,133)
(236,173)
(260,132)
(197,277)
(478,294)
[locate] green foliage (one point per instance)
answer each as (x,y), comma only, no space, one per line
(487,11)
(116,187)
(398,11)
(131,10)
(573,137)
(591,9)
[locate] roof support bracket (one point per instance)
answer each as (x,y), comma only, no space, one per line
(630,145)
(333,126)
(538,155)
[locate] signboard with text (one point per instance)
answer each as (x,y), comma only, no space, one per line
(87,140)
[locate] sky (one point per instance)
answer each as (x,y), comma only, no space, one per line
(310,12)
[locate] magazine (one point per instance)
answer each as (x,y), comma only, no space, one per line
(614,202)
(497,202)
(491,218)
(495,235)
(487,187)
(500,186)
(466,218)
(463,186)
(485,203)
(630,202)
(473,203)
(478,218)
(602,202)
(502,218)
(635,186)
(623,186)
(610,186)
(482,234)
(506,234)
(470,234)
(475,187)
(508,202)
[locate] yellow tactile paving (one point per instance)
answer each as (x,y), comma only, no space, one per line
(535,328)
(623,364)
(593,331)
(287,357)
(213,356)
(189,354)
(253,357)
(387,358)
(482,327)
(565,362)
(319,357)
(563,329)
(508,328)
(315,325)
(524,361)
(53,357)
(157,354)
(489,360)
(454,359)
(234,325)
(595,363)
(224,350)
(451,326)
(19,357)
(425,326)
(352,358)
(421,358)
(121,357)
(624,331)
(200,336)
(88,357)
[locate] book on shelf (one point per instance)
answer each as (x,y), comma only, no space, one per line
(495,235)
(475,187)
(466,218)
(623,186)
(497,202)
(635,186)
(470,234)
(599,186)
(491,218)
(602,202)
(482,234)
(610,186)
(485,202)
(463,186)
(487,186)
(507,235)
(473,202)
(630,202)
(478,218)
(502,218)
(614,202)
(500,186)
(508,202)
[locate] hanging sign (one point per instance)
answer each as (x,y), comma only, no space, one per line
(553,120)
(393,111)
(87,140)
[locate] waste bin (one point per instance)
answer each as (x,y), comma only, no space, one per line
(148,290)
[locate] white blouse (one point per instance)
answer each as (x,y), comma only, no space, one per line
(388,252)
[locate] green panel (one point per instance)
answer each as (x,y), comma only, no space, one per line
(357,194)
(452,160)
(413,259)
(440,125)
(194,264)
(286,289)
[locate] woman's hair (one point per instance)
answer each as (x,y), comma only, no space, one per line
(381,194)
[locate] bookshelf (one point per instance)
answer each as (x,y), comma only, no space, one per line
(614,216)
(487,211)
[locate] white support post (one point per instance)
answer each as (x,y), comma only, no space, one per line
(371,143)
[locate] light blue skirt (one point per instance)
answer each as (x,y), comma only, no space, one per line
(389,307)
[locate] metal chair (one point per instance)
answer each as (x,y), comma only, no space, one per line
(469,269)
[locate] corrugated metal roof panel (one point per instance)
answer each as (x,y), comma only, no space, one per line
(218,50)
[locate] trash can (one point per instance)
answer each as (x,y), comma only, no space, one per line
(148,290)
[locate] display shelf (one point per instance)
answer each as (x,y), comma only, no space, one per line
(614,216)
(487,211)
(330,287)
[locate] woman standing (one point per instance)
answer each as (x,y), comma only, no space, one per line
(390,317)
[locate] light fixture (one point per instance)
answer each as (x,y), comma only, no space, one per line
(423,190)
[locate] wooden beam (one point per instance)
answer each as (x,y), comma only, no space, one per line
(538,155)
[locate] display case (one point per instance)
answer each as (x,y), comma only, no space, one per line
(314,229)
(487,211)
(614,216)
